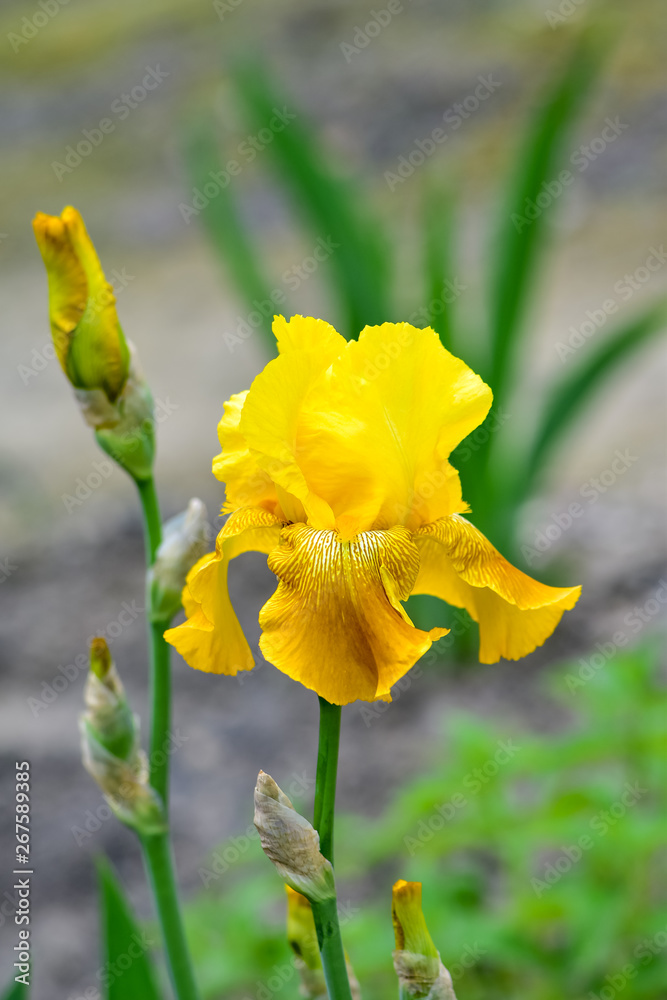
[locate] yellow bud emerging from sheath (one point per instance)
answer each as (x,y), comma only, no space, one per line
(89,342)
(110,746)
(184,539)
(420,972)
(291,843)
(87,336)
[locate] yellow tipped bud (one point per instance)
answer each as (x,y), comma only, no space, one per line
(110,746)
(420,972)
(291,843)
(86,333)
(184,540)
(100,364)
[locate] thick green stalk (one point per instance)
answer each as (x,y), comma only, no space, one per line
(157,849)
(325,778)
(160,869)
(326,914)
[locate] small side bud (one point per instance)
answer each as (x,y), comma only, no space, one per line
(183,544)
(302,939)
(110,746)
(420,971)
(291,843)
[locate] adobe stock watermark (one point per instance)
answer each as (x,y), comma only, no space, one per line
(623,290)
(94,821)
(581,158)
(291,278)
(473,783)
(564,11)
(599,826)
(120,108)
(31,25)
(224,7)
(364,34)
(644,952)
(110,972)
(234,849)
(591,491)
(635,621)
(453,117)
(246,152)
(66,674)
(7,567)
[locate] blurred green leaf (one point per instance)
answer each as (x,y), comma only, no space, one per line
(16,991)
(222,221)
(359,257)
(521,238)
(577,389)
(437,229)
(123,940)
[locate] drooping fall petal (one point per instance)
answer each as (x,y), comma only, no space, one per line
(515,613)
(335,622)
(212,639)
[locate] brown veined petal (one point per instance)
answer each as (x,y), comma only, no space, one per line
(335,623)
(271,412)
(515,613)
(211,638)
(246,483)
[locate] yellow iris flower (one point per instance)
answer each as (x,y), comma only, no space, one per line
(336,466)
(86,333)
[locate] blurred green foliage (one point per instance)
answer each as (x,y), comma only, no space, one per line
(542,856)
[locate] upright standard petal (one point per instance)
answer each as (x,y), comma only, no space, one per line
(376,432)
(271,412)
(335,623)
(515,613)
(247,484)
(211,639)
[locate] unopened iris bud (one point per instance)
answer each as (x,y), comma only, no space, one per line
(110,746)
(90,345)
(184,540)
(420,971)
(302,938)
(291,843)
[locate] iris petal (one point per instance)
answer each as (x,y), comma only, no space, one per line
(212,639)
(515,613)
(335,622)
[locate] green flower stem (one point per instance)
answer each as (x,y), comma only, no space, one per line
(157,849)
(326,914)
(160,869)
(152,522)
(160,684)
(325,778)
(331,949)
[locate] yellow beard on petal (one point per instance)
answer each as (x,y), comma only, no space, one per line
(336,623)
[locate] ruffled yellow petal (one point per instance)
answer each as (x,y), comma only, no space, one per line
(515,613)
(82,308)
(211,638)
(335,623)
(271,412)
(246,483)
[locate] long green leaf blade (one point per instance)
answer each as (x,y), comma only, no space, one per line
(358,258)
(520,239)
(441,290)
(576,390)
(223,224)
(16,991)
(127,970)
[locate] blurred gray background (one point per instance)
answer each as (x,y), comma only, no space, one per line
(68,570)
